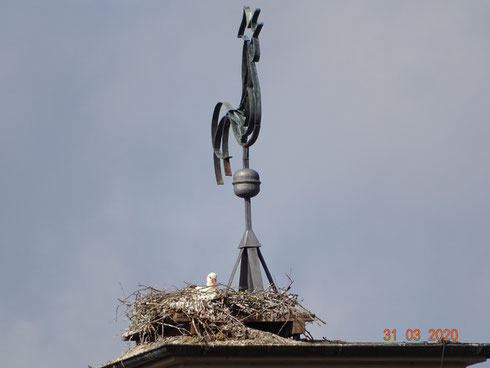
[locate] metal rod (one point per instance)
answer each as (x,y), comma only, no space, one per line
(266,269)
(254,270)
(244,272)
(234,269)
(245,157)
(248,214)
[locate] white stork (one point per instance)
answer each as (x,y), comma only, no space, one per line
(209,291)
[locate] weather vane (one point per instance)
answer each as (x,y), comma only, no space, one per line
(245,124)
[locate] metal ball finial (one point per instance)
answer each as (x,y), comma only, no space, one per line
(246,183)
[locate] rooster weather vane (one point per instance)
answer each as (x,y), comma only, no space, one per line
(245,124)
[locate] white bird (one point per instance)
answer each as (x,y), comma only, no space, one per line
(211,280)
(209,291)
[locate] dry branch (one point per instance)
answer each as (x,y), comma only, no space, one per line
(215,316)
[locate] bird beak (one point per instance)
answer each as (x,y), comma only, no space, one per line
(214,282)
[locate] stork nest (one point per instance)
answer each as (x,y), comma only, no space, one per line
(154,313)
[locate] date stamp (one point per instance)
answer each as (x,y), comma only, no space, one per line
(415,334)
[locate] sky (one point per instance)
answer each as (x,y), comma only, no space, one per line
(373,155)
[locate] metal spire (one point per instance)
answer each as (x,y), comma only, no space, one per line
(245,124)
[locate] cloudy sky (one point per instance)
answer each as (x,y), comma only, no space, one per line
(374,157)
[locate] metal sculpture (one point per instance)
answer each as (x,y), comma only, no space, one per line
(245,124)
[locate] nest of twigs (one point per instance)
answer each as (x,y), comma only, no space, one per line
(222,315)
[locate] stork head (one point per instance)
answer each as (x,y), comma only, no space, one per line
(211,279)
